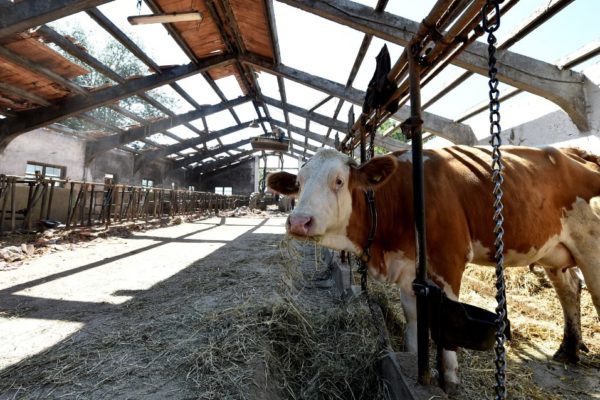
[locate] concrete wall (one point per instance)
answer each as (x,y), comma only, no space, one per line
(58,211)
(48,146)
(239,177)
(44,146)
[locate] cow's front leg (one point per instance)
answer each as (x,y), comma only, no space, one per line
(409,305)
(449,360)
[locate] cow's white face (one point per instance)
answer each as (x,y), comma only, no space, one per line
(324,201)
(323,187)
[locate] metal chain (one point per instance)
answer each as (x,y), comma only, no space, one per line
(491,22)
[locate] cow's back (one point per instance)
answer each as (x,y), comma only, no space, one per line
(540,185)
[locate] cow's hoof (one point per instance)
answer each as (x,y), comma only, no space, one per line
(583,347)
(566,356)
(451,388)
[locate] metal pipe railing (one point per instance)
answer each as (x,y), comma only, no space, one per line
(39,202)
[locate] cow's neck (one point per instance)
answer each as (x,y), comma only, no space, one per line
(395,226)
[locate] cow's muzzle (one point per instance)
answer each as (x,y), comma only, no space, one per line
(299,225)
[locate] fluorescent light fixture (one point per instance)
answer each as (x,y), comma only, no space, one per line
(164,18)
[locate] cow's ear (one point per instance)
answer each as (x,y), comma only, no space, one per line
(283,182)
(374,172)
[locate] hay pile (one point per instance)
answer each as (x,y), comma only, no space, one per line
(228,327)
(247,324)
(537,324)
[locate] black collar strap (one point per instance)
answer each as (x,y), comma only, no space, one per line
(370,195)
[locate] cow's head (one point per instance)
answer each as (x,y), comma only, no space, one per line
(323,187)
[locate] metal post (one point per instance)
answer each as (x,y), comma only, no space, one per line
(92,204)
(419,285)
(50,197)
(83,202)
(109,199)
(13,204)
(4,201)
(44,199)
(69,211)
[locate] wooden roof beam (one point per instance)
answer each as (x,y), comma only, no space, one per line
(210,153)
(99,146)
(153,155)
(31,119)
(85,57)
(122,38)
(316,117)
(387,143)
(23,15)
(224,162)
(306,133)
(440,126)
(539,16)
(563,87)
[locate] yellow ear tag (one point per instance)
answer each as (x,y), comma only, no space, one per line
(376,178)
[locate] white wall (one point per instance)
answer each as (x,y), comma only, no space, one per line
(67,149)
(44,146)
(531,121)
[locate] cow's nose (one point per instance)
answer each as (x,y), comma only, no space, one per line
(299,224)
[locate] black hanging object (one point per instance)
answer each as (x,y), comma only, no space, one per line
(380,86)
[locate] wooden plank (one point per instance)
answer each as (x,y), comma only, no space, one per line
(251,18)
(20,93)
(28,14)
(202,38)
(40,69)
(34,50)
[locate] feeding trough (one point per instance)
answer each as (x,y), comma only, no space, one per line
(271,143)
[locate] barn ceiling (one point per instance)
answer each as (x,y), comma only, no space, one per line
(237,44)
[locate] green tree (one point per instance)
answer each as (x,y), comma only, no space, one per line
(396,134)
(116,57)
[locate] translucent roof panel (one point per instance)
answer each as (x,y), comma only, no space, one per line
(301,95)
(197,87)
(161,48)
(182,132)
(317,49)
(219,120)
(268,85)
(230,87)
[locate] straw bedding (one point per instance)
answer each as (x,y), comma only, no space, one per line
(248,324)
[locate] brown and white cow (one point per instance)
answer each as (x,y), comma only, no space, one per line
(551,209)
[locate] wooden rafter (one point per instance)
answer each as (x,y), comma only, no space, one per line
(28,120)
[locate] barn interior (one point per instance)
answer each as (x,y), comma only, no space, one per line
(135,138)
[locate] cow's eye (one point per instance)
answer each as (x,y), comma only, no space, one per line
(338,183)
